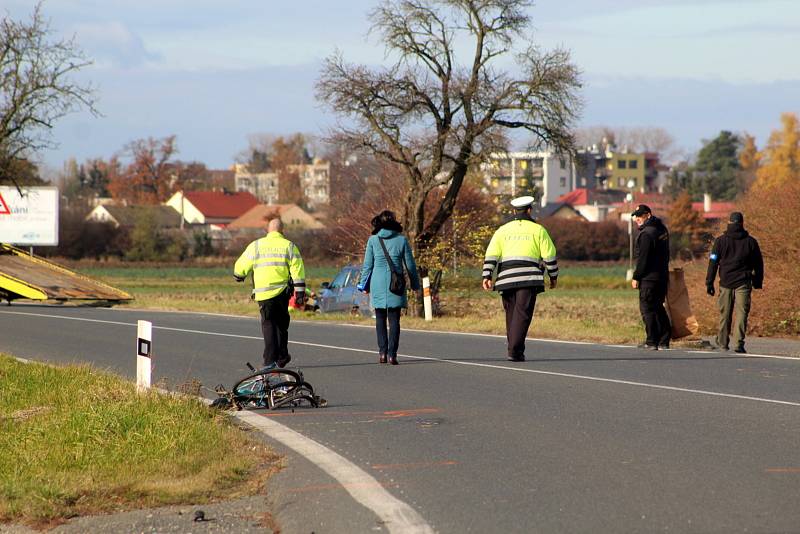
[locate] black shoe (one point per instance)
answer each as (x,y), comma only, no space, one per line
(663,346)
(382,358)
(282,362)
(393,360)
(740,350)
(516,358)
(718,347)
(645,346)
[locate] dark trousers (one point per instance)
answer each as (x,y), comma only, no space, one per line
(518,304)
(651,305)
(731,300)
(275,327)
(388,343)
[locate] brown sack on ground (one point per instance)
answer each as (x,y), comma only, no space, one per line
(684,323)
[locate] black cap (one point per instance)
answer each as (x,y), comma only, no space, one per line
(737,217)
(640,210)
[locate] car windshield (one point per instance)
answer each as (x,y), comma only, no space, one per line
(340,279)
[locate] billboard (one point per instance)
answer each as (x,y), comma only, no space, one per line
(30,218)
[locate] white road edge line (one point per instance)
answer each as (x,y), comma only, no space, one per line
(331,323)
(461,362)
(398,516)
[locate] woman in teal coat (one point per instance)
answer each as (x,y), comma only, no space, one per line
(376,275)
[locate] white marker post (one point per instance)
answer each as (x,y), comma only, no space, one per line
(144,348)
(426,298)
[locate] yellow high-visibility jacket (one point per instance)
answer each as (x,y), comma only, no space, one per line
(273,260)
(520,250)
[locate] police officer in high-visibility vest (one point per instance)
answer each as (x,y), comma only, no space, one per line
(277,270)
(520,251)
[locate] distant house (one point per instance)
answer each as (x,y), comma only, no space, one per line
(290,214)
(126,216)
(559,210)
(711,211)
(714,211)
(211,208)
(593,204)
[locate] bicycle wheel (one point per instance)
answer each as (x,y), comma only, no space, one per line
(260,390)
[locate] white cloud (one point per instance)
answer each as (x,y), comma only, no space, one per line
(113,44)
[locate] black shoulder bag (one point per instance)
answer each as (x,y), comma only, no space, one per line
(397,284)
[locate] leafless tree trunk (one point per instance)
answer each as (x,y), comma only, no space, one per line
(36,87)
(436,117)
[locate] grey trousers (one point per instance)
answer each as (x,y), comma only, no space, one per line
(734,307)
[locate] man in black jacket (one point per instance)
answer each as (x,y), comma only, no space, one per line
(651,276)
(741,268)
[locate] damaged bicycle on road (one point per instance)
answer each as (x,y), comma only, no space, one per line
(268,388)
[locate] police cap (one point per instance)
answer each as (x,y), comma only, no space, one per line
(521,203)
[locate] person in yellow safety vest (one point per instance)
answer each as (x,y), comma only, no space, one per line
(520,251)
(277,270)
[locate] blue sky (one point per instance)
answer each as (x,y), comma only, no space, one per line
(214,72)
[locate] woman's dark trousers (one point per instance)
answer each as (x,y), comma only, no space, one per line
(388,343)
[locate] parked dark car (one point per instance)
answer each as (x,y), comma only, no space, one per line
(341,296)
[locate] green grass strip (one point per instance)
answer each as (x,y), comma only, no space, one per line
(75,441)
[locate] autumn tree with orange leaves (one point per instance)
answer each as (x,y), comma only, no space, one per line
(150,178)
(687,228)
(780,159)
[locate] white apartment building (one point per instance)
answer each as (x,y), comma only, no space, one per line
(518,173)
(262,185)
(315,179)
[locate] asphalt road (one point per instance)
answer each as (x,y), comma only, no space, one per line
(580,438)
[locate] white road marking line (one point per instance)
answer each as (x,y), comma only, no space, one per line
(461,362)
(451,332)
(396,515)
(331,323)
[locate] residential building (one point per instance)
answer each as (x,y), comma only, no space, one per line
(558,210)
(712,211)
(127,216)
(625,170)
(606,167)
(262,185)
(292,215)
(545,174)
(315,180)
(215,209)
(593,204)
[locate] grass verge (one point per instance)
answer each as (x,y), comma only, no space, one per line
(592,303)
(78,441)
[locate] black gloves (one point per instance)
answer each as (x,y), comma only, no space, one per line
(239,278)
(710,289)
(300,298)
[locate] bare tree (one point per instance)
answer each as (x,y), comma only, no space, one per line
(36,87)
(435,117)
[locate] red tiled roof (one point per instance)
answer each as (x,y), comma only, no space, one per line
(215,204)
(719,210)
(577,197)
